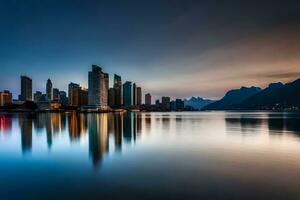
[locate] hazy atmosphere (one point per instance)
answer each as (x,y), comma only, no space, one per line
(174,48)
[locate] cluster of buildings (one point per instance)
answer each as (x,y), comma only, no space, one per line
(97,97)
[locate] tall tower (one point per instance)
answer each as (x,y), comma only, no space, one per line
(98,88)
(148,99)
(139,96)
(26,89)
(118,90)
(49,92)
(134,92)
(127,94)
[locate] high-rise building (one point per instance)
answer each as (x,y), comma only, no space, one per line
(77,95)
(118,90)
(111,97)
(165,103)
(49,91)
(83,97)
(179,104)
(157,103)
(98,88)
(26,89)
(127,94)
(148,99)
(63,98)
(37,96)
(139,96)
(173,105)
(134,94)
(56,95)
(74,90)
(5,98)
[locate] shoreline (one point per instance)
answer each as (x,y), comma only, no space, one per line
(133,110)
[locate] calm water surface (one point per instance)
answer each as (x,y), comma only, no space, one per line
(197,155)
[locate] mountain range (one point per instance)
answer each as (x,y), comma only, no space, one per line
(197,102)
(276,96)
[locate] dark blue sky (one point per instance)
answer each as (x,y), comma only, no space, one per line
(176,48)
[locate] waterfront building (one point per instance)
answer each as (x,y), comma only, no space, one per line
(77,96)
(111,97)
(139,96)
(74,89)
(148,99)
(49,91)
(37,96)
(98,88)
(134,94)
(165,103)
(118,90)
(173,105)
(63,98)
(56,96)
(83,97)
(5,98)
(157,103)
(179,104)
(26,89)
(127,94)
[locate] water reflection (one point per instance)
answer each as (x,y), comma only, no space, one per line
(123,127)
(275,123)
(5,123)
(126,128)
(77,124)
(25,123)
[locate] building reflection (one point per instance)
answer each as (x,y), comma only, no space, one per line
(25,124)
(115,128)
(77,124)
(166,121)
(122,127)
(53,123)
(5,123)
(138,119)
(128,126)
(98,136)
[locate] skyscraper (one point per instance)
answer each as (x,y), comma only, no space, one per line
(37,96)
(74,90)
(134,94)
(139,96)
(56,94)
(118,90)
(98,88)
(26,89)
(63,98)
(165,103)
(148,99)
(111,97)
(179,104)
(127,94)
(5,98)
(49,92)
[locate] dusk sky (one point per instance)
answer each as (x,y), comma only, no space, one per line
(175,48)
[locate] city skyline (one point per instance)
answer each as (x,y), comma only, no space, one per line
(179,52)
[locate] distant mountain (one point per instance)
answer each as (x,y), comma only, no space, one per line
(275,96)
(197,102)
(233,98)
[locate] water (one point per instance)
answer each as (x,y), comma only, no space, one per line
(196,155)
